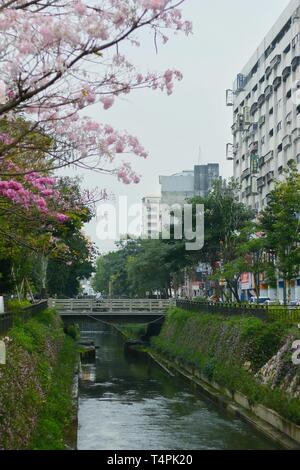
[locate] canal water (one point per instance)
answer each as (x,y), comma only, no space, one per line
(129,402)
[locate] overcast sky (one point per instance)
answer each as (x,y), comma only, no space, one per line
(172,128)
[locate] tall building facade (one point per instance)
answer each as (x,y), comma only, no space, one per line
(266,111)
(204,175)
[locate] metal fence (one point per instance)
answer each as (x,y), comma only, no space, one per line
(232,309)
(7,319)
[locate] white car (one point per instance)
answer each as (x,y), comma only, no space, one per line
(261,300)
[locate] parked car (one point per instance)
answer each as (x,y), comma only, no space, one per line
(272,302)
(261,300)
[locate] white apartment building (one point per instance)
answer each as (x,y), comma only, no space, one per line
(266,111)
(151,224)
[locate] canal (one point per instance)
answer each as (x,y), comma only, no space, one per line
(129,402)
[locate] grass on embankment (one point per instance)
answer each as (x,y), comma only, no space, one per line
(224,348)
(55,425)
(36,383)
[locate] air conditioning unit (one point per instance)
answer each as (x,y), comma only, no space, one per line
(229,152)
(229,97)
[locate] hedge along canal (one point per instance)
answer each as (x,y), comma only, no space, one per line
(36,405)
(127,401)
(242,362)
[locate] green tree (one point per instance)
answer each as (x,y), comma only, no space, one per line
(111,270)
(280,221)
(225,218)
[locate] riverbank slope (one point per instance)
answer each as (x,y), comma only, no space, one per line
(36,406)
(249,360)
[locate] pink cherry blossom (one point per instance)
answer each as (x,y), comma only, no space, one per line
(59,58)
(107,101)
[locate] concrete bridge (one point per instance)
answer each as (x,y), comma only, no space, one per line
(113,310)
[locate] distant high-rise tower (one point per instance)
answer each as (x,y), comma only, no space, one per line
(204,175)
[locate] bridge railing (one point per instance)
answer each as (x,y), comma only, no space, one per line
(111,305)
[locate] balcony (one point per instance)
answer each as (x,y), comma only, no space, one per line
(295,63)
(254,108)
(289,118)
(261,162)
(269,156)
(286,73)
(275,61)
(246,173)
(262,121)
(248,191)
(277,82)
(253,128)
(261,100)
(286,141)
(245,137)
(268,72)
(296,134)
(268,92)
(261,182)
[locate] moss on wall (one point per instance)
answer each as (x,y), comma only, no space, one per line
(233,352)
(35,392)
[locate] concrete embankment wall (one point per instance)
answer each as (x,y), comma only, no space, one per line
(36,406)
(244,363)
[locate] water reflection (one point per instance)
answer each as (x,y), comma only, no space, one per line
(128,402)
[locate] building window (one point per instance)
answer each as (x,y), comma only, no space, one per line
(289,94)
(298,158)
(271,133)
(271,111)
(287,49)
(279,126)
(263,140)
(279,148)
